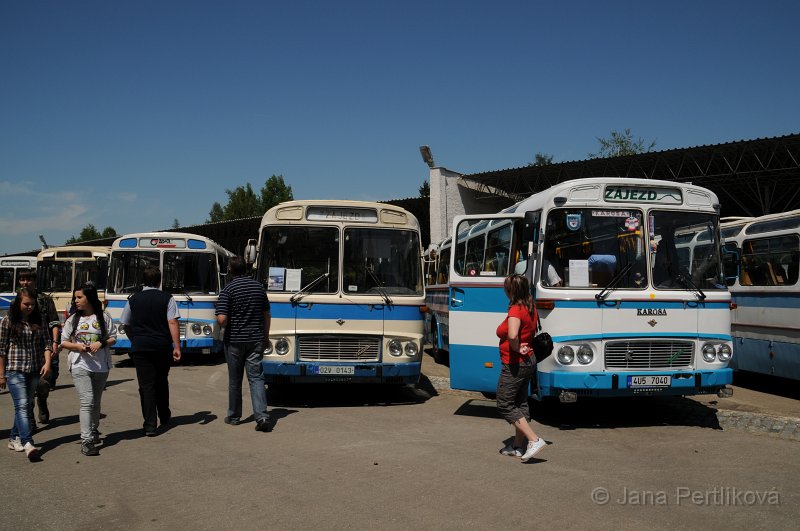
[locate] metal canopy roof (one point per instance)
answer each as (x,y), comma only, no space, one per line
(750,177)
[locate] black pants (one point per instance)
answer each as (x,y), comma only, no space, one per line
(152,371)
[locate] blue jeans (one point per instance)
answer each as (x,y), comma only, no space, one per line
(90,387)
(241,356)
(22,386)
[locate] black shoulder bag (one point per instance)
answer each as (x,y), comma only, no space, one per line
(542,343)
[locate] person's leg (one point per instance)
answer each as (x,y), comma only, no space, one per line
(82,380)
(146,376)
(163,362)
(22,387)
(255,379)
(98,385)
(234,356)
(42,392)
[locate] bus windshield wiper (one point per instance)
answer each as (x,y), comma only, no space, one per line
(304,290)
(614,281)
(379,285)
(689,284)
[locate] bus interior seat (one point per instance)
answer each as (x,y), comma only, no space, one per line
(744,278)
(778,273)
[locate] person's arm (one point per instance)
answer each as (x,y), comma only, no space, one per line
(4,340)
(2,371)
(48,352)
(267,323)
(174,331)
(222,320)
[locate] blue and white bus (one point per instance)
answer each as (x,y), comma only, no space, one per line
(766,294)
(628,311)
(344,279)
(9,271)
(193,270)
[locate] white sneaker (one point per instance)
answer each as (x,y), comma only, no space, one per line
(511,451)
(31,451)
(533,449)
(15,444)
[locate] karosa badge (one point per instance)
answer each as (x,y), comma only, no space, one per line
(651,311)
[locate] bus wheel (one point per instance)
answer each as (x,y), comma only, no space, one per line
(439,355)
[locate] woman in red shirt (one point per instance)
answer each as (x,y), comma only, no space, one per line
(516,333)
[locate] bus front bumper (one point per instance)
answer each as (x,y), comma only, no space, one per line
(681,383)
(198,346)
(314,372)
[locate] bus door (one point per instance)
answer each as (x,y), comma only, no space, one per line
(483,255)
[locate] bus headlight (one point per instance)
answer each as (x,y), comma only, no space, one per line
(207,330)
(585,355)
(120,328)
(196,329)
(268,348)
(566,355)
(709,352)
(724,353)
(282,346)
(395,347)
(411,349)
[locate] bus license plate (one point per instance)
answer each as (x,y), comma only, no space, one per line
(336,369)
(649,381)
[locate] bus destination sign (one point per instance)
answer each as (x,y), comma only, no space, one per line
(366,215)
(163,243)
(635,194)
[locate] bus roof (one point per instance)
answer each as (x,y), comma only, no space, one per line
(339,210)
(167,240)
(70,252)
(585,192)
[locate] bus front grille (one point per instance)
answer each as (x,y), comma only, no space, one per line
(182,329)
(339,348)
(649,354)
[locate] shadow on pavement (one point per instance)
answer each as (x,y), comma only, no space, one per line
(765,383)
(344,395)
(607,413)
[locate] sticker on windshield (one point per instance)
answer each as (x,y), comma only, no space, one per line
(632,223)
(574,221)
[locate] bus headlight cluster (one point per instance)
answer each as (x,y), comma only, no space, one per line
(722,352)
(201,330)
(120,328)
(567,356)
(585,355)
(398,347)
(282,346)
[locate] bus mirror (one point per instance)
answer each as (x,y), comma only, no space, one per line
(530,226)
(250,252)
(730,263)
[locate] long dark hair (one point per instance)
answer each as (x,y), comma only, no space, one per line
(90,292)
(518,291)
(15,312)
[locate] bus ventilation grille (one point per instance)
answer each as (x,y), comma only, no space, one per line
(649,354)
(339,348)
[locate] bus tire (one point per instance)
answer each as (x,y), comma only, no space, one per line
(439,355)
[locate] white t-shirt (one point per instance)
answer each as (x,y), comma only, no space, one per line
(88,331)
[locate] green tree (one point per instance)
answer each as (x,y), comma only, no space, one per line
(216,214)
(621,144)
(541,159)
(273,192)
(89,233)
(244,203)
(425,189)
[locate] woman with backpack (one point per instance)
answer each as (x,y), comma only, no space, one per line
(88,333)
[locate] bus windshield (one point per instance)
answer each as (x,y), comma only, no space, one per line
(589,247)
(189,273)
(7,280)
(381,259)
(307,251)
(125,273)
(54,275)
(685,249)
(91,271)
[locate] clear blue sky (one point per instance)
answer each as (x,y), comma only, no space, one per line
(134,113)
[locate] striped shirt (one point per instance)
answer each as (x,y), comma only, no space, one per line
(24,353)
(244,301)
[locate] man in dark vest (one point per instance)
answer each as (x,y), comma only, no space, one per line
(151,323)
